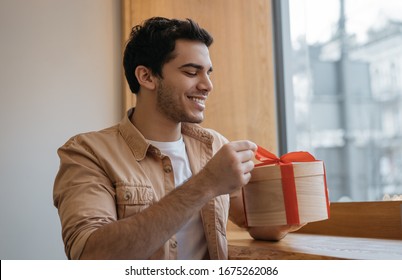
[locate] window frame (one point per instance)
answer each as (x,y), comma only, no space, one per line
(283,83)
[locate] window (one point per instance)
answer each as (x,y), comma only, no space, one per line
(339,83)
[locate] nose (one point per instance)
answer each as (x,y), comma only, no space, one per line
(205,84)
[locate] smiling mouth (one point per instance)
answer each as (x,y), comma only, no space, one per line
(200,101)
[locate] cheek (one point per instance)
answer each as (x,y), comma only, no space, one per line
(180,88)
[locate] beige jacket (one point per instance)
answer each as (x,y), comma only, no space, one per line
(114,173)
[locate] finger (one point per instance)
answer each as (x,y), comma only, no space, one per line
(248,166)
(242,145)
(246,178)
(245,156)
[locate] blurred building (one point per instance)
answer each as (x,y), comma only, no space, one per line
(348,109)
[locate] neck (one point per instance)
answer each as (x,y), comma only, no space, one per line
(153,125)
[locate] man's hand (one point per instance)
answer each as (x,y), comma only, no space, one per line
(272,233)
(229,169)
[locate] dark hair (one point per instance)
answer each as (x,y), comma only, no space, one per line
(152,44)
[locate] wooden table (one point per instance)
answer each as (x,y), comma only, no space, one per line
(301,246)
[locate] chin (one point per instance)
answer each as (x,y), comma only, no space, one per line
(200,119)
(195,119)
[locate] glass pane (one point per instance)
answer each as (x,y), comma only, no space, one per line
(347,92)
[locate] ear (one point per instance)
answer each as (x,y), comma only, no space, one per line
(145,77)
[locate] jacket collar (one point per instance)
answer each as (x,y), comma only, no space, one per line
(139,145)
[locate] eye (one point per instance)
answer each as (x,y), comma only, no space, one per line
(191,74)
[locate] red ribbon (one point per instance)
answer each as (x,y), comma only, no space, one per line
(269,158)
(288,178)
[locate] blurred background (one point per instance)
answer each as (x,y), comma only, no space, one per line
(346,97)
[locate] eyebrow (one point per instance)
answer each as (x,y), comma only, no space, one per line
(196,66)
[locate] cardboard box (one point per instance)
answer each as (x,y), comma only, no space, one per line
(291,193)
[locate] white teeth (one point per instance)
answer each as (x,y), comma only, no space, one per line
(198,100)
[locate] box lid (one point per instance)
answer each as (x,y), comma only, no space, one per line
(300,169)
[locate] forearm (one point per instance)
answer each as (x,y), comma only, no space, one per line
(141,235)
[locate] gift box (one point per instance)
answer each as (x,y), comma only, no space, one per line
(289,190)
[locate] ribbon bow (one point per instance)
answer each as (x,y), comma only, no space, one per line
(267,157)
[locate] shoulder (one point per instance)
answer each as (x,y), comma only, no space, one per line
(92,140)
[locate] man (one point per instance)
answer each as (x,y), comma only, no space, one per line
(156,185)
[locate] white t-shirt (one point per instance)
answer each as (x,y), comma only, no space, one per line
(191,240)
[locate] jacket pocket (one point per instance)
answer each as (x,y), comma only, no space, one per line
(132,199)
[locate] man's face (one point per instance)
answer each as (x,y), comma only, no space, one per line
(185,86)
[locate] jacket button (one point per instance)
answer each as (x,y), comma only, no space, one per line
(167,168)
(127,195)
